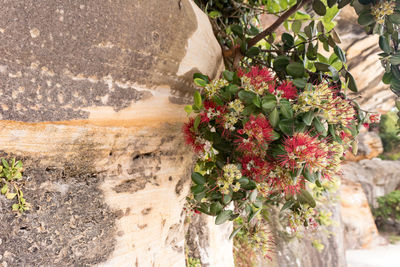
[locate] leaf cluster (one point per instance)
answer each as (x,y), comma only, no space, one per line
(10,174)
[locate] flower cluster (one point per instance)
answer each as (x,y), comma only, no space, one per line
(262,138)
(383,9)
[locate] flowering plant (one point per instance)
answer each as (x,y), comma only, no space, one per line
(260,139)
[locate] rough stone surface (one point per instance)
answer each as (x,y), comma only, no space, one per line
(209,242)
(359,225)
(92,103)
(369,146)
(300,251)
(363,61)
(377,177)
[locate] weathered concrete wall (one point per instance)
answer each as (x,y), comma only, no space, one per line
(92,98)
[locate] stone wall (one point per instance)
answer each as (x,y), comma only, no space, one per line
(92,103)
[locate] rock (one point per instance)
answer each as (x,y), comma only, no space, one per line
(210,243)
(363,62)
(301,252)
(359,225)
(92,103)
(377,177)
(369,146)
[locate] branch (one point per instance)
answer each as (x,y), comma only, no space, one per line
(276,24)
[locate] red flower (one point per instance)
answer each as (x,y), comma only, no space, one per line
(259,135)
(255,167)
(289,91)
(301,148)
(375,118)
(212,111)
(257,75)
(190,136)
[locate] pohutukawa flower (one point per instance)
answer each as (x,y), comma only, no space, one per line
(302,150)
(255,167)
(256,134)
(191,138)
(256,80)
(286,90)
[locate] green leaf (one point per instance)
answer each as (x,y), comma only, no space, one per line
(322,66)
(319,126)
(201,76)
(197,189)
(351,82)
(243,181)
(200,82)
(281,62)
(384,44)
(366,19)
(228,75)
(319,7)
(308,175)
(339,52)
(287,205)
(286,126)
(343,3)
(227,198)
(188,109)
(331,3)
(268,102)
(395,59)
(197,99)
(308,117)
(395,18)
(196,123)
(305,197)
(197,178)
(15,207)
(257,101)
(253,195)
(275,135)
(246,96)
(5,163)
(232,88)
(274,117)
(237,29)
(214,14)
(215,208)
(387,77)
(235,232)
(223,217)
(335,73)
(335,37)
(300,82)
(286,108)
(296,26)
(253,51)
(4,189)
(288,40)
(295,69)
(10,195)
(253,214)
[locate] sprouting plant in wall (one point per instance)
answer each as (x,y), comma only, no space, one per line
(10,174)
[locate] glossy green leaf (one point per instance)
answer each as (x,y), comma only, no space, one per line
(384,44)
(200,82)
(366,19)
(246,96)
(339,52)
(295,69)
(286,108)
(274,117)
(351,82)
(235,232)
(319,7)
(308,117)
(223,217)
(296,26)
(228,75)
(198,178)
(268,102)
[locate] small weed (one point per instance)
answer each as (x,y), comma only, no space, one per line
(10,173)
